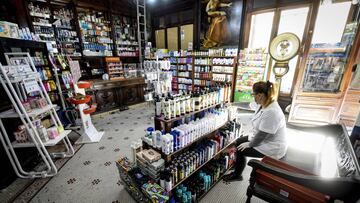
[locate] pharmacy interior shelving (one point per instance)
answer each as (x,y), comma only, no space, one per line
(168,157)
(202,75)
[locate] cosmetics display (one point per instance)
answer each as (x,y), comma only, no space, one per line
(223,69)
(222,78)
(185,164)
(33,122)
(171,106)
(125,36)
(202,61)
(202,68)
(200,183)
(251,68)
(223,61)
(187,67)
(203,76)
(141,186)
(181,53)
(185,134)
(66,35)
(187,60)
(158,74)
(184,81)
(114,68)
(43,129)
(202,83)
(95,32)
(229,52)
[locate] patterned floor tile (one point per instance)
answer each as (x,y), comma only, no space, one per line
(92,174)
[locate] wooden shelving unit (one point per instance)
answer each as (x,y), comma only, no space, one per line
(114,68)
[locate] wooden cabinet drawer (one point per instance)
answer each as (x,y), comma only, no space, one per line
(106,99)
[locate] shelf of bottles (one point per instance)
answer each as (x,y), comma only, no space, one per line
(125,36)
(222,69)
(66,36)
(251,68)
(40,15)
(95,32)
(185,72)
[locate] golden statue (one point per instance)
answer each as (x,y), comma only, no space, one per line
(218,32)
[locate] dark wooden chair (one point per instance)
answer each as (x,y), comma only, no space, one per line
(295,178)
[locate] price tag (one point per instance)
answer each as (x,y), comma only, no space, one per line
(31,85)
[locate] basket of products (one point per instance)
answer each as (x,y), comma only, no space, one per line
(80,99)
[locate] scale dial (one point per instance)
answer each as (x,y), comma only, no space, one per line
(284,47)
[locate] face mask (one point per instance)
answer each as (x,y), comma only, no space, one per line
(253,105)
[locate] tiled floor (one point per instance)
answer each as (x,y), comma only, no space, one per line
(91,174)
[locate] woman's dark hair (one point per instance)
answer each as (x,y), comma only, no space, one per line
(268,89)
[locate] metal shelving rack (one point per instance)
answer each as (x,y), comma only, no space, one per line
(14,88)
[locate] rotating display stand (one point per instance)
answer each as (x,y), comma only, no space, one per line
(90,133)
(21,80)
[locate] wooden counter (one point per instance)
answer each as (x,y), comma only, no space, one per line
(114,94)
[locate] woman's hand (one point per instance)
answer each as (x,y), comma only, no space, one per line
(243,146)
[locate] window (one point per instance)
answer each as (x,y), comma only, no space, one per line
(160,39)
(260,30)
(327,58)
(172,38)
(291,20)
(186,36)
(326,32)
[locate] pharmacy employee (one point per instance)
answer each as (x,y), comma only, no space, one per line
(269,130)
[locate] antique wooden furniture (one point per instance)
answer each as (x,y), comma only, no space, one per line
(286,180)
(114,94)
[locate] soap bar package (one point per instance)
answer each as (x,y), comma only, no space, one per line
(151,155)
(8,29)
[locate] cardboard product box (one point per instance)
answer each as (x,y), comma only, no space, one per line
(8,29)
(151,155)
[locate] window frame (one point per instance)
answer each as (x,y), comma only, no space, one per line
(274,32)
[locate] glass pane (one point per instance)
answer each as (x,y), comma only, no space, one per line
(326,32)
(327,56)
(292,20)
(160,39)
(186,35)
(172,39)
(260,30)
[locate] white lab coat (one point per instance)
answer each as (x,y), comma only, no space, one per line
(271,120)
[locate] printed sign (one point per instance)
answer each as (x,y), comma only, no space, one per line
(75,70)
